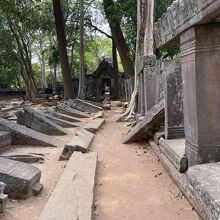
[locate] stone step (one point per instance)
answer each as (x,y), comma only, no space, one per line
(175,152)
(145,128)
(205,181)
(32,119)
(83,106)
(61,122)
(5,139)
(63,116)
(72,198)
(80,142)
(181,181)
(65,109)
(19,177)
(23,135)
(94,125)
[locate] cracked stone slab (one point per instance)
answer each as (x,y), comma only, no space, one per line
(23,135)
(83,106)
(80,142)
(94,125)
(175,152)
(60,122)
(72,198)
(145,128)
(19,177)
(32,119)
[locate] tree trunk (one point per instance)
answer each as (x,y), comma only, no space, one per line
(61,37)
(81,92)
(115,68)
(119,39)
(144,45)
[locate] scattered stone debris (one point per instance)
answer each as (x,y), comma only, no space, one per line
(80,142)
(3,197)
(19,177)
(94,125)
(32,119)
(23,135)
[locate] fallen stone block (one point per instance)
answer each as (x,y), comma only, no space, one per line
(72,198)
(19,177)
(83,106)
(37,189)
(94,125)
(26,158)
(32,119)
(63,116)
(5,139)
(100,114)
(145,128)
(80,142)
(175,152)
(22,135)
(60,122)
(65,109)
(3,202)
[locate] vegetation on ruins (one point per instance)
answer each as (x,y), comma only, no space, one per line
(46,41)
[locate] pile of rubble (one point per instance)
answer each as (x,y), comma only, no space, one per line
(19,179)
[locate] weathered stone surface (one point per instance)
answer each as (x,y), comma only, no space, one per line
(145,128)
(37,189)
(80,142)
(100,114)
(26,158)
(181,181)
(200,52)
(5,139)
(158,135)
(32,119)
(62,116)
(72,198)
(60,122)
(175,152)
(19,177)
(83,106)
(94,125)
(65,109)
(3,202)
(205,180)
(182,15)
(174,122)
(24,135)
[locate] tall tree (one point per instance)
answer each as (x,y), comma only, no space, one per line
(61,37)
(117,34)
(82,77)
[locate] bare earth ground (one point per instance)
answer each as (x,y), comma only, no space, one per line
(131,184)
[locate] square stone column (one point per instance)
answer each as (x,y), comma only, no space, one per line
(200,61)
(173,89)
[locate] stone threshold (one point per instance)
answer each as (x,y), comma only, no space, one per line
(200,184)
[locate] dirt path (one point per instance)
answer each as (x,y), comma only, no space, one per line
(131,183)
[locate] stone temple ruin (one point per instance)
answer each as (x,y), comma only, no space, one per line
(177,111)
(178,101)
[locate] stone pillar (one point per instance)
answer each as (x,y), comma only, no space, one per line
(150,69)
(173,89)
(200,61)
(142,94)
